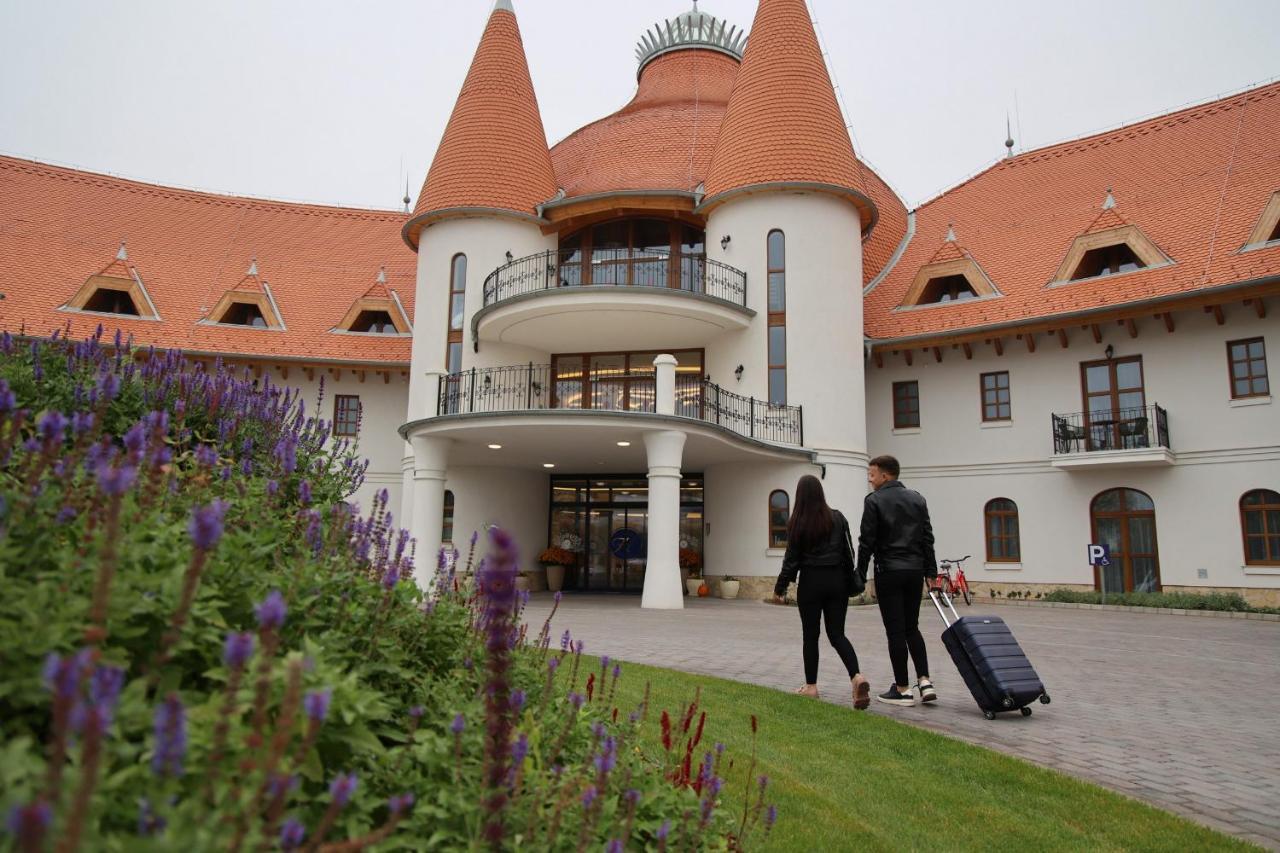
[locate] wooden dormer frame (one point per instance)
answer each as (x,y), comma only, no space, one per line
(262,300)
(1130,235)
(1266,224)
(133,286)
(373,303)
(982,286)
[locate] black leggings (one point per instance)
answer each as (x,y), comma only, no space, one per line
(899,596)
(824,597)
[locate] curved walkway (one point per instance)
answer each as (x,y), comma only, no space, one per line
(1137,698)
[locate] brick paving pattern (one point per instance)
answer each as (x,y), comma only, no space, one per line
(1137,698)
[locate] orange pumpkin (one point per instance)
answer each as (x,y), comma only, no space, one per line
(704,591)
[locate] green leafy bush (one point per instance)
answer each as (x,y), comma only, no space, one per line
(1229,601)
(204,646)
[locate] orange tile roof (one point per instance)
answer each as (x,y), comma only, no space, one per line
(494,150)
(890,227)
(1194,181)
(662,139)
(59,226)
(783,123)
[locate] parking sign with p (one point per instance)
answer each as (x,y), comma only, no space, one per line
(1099,555)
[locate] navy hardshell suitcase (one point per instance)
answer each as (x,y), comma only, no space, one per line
(990,661)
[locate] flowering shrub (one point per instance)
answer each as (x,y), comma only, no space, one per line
(689,558)
(204,646)
(557,556)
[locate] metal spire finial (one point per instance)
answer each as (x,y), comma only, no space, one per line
(382,274)
(951,233)
(253,267)
(406,195)
(1110,200)
(1008,136)
(122,255)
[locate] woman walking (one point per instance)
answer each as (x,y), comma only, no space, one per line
(819,549)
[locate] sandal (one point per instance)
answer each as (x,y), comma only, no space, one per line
(861,693)
(804,691)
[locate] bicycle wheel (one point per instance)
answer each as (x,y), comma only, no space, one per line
(964,589)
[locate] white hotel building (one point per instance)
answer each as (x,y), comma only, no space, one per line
(632,343)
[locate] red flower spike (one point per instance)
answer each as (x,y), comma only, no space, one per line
(666,731)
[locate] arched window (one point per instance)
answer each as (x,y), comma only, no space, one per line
(777,323)
(1125,521)
(779,514)
(446,528)
(1001,525)
(457,297)
(1260,525)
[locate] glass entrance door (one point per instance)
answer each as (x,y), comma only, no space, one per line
(1125,520)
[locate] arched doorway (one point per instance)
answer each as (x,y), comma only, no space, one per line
(1125,519)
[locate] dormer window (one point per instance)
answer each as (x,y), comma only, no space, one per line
(374,322)
(109,300)
(1266,231)
(947,288)
(243,314)
(1108,260)
(115,289)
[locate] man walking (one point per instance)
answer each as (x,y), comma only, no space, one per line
(896,531)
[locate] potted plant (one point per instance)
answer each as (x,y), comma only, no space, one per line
(693,582)
(729,587)
(690,562)
(555,561)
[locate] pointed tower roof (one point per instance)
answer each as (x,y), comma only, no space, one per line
(783,125)
(493,156)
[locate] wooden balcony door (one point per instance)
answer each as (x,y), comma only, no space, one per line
(1113,392)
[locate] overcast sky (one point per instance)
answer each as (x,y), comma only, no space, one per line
(338,102)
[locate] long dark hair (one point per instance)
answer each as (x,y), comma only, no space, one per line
(811,520)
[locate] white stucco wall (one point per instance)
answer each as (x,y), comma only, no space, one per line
(1222,450)
(512,499)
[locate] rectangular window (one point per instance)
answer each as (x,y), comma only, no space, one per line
(995,397)
(346,415)
(1248,362)
(906,405)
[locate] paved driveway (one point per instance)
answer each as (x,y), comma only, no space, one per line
(1137,698)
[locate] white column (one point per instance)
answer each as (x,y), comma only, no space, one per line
(430,465)
(665,384)
(662,572)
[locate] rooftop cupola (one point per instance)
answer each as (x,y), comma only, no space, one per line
(694,29)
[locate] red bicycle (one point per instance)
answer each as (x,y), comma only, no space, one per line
(952,585)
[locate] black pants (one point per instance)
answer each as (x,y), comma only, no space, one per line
(899,596)
(823,596)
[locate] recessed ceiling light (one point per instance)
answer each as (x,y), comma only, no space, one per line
(624,444)
(495,447)
(548,464)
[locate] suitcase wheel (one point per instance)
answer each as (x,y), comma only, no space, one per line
(1007,702)
(990,715)
(1044,698)
(1026,712)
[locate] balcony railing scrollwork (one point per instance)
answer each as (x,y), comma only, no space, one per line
(551,270)
(534,387)
(1139,428)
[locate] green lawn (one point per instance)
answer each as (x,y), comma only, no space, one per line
(846,780)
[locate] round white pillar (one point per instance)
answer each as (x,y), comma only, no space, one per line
(665,384)
(430,466)
(662,572)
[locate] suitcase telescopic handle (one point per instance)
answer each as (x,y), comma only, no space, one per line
(934,595)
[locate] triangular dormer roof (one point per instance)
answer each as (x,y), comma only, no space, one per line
(1110,228)
(378,298)
(493,156)
(118,275)
(251,289)
(951,259)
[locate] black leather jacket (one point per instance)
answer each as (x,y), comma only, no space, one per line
(896,531)
(831,554)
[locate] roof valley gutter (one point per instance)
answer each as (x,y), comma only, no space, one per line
(1223,289)
(897,254)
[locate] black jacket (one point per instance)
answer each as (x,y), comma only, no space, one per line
(896,531)
(831,554)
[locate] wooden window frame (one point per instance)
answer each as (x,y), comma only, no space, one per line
(775,318)
(774,541)
(1112,436)
(1251,376)
(1125,513)
(339,422)
(627,378)
(1245,535)
(982,396)
(675,233)
(1016,538)
(897,424)
(446,521)
(454,336)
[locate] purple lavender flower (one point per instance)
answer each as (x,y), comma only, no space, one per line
(281,784)
(272,487)
(62,674)
(617,670)
(206,456)
(171,737)
(519,750)
(559,595)
(342,787)
(163,456)
(714,786)
(304,493)
(604,662)
(763,782)
(417,711)
(108,386)
(316,704)
(475,534)
(576,700)
(246,467)
(517,700)
(588,796)
(286,453)
(632,796)
(771,815)
(205,527)
(105,685)
(552,665)
(66,514)
(115,481)
(391,577)
(400,803)
(237,649)
(459,723)
(565,639)
(30,822)
(81,422)
(614,846)
(292,834)
(8,400)
(149,823)
(135,440)
(272,611)
(225,474)
(52,426)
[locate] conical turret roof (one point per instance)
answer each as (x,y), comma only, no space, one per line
(783,124)
(493,155)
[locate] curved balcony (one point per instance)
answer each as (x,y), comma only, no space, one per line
(535,388)
(634,298)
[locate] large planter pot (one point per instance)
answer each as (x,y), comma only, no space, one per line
(555,577)
(522,583)
(692,584)
(729,589)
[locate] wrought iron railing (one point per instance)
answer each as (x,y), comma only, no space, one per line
(616,267)
(1121,429)
(533,387)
